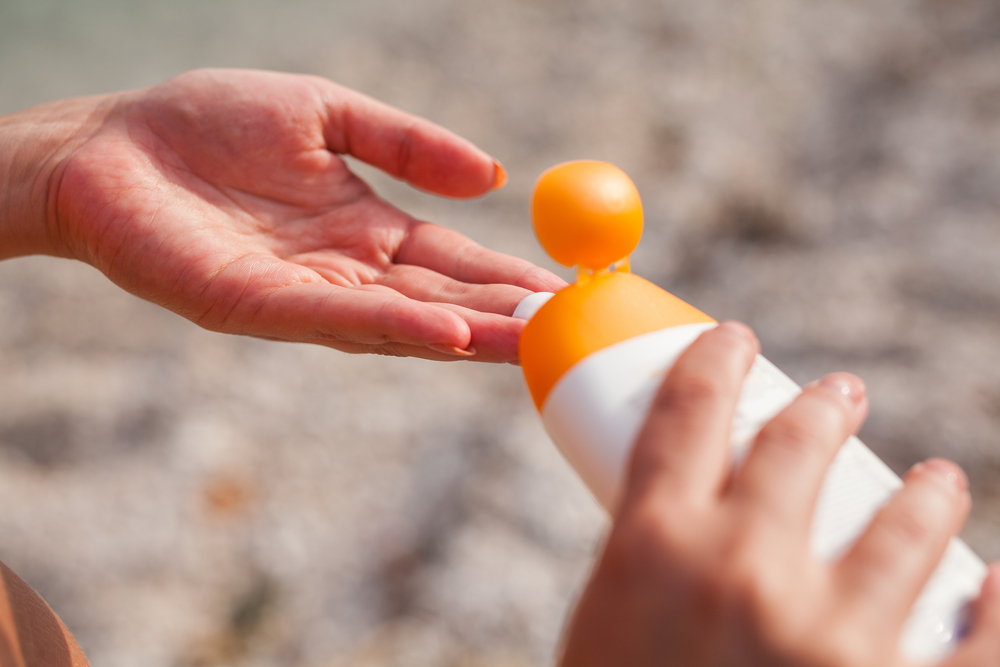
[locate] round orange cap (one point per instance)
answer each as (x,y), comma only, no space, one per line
(587,213)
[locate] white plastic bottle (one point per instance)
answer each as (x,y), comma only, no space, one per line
(595,353)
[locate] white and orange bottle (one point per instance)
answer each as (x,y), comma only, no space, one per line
(594,354)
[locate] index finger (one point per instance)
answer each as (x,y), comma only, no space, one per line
(684,446)
(405,146)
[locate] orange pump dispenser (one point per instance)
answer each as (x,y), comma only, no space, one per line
(588,214)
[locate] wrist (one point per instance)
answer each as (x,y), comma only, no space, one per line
(33,145)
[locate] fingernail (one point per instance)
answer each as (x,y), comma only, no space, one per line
(499,175)
(947,471)
(845,384)
(454,351)
(740,329)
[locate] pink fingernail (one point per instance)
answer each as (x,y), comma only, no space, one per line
(845,384)
(499,175)
(946,470)
(454,351)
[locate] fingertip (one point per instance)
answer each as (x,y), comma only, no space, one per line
(494,337)
(846,386)
(405,321)
(424,154)
(739,330)
(943,472)
(441,327)
(849,390)
(448,165)
(540,280)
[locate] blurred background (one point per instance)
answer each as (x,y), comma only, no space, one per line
(828,172)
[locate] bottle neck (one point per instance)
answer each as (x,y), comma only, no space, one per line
(584,274)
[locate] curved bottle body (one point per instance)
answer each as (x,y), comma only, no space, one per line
(595,408)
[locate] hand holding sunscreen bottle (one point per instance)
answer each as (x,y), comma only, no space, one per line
(594,354)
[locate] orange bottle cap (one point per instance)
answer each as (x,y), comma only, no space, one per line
(588,214)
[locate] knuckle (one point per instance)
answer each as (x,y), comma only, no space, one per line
(808,427)
(910,528)
(651,526)
(686,391)
(403,151)
(833,411)
(793,436)
(651,530)
(750,577)
(637,545)
(923,513)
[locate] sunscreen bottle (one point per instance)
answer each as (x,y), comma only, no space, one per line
(595,353)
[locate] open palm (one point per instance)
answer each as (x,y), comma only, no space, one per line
(221,196)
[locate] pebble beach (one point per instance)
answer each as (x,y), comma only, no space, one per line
(827,172)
